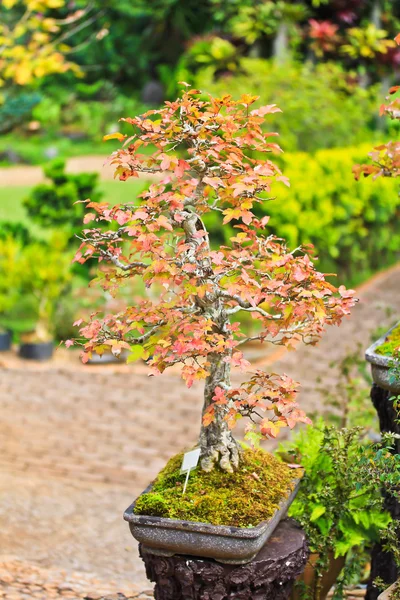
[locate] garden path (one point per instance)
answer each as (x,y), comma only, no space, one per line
(31,175)
(77,443)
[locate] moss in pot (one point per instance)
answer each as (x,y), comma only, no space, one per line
(243,498)
(203,156)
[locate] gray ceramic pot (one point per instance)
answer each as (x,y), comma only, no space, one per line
(380,365)
(231,545)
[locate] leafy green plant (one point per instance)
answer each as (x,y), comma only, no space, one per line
(339,504)
(10,271)
(56,204)
(16,230)
(214,52)
(353,226)
(319,98)
(367,42)
(44,276)
(16,107)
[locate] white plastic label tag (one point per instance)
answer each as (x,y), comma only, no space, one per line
(190,460)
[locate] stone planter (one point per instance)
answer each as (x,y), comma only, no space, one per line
(108,358)
(380,365)
(230,545)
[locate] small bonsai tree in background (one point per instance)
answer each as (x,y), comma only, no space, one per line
(204,152)
(57,204)
(45,274)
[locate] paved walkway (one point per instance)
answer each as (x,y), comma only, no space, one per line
(78,443)
(32,175)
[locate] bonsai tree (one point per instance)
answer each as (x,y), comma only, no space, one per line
(210,155)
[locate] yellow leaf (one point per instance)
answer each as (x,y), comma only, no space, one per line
(114,136)
(23,73)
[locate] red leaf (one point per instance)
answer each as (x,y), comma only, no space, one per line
(88,217)
(180,168)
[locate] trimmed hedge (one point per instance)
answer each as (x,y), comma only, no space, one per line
(354,226)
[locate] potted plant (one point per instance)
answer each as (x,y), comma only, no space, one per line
(10,273)
(45,275)
(339,504)
(209,155)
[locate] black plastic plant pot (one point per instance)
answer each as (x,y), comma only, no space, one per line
(36,350)
(5,340)
(230,545)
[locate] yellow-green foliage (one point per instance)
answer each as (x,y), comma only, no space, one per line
(391,344)
(240,499)
(352,224)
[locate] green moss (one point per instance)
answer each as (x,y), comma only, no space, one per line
(240,499)
(391,343)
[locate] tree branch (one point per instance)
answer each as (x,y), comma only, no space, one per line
(109,256)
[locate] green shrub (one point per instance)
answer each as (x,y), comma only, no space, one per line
(54,204)
(340,503)
(16,108)
(353,225)
(322,108)
(14,230)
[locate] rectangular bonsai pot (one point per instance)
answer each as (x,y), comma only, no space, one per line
(232,545)
(380,365)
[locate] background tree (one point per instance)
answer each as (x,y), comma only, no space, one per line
(32,43)
(204,151)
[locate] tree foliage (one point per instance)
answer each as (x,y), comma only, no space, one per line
(204,156)
(32,43)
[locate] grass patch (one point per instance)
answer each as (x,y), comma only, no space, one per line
(244,498)
(391,343)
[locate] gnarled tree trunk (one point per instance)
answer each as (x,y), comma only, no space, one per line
(218,446)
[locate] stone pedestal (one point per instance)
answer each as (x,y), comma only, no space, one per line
(382,563)
(270,576)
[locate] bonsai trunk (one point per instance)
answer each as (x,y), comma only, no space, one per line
(218,446)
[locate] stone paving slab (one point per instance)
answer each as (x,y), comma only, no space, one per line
(78,443)
(20,580)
